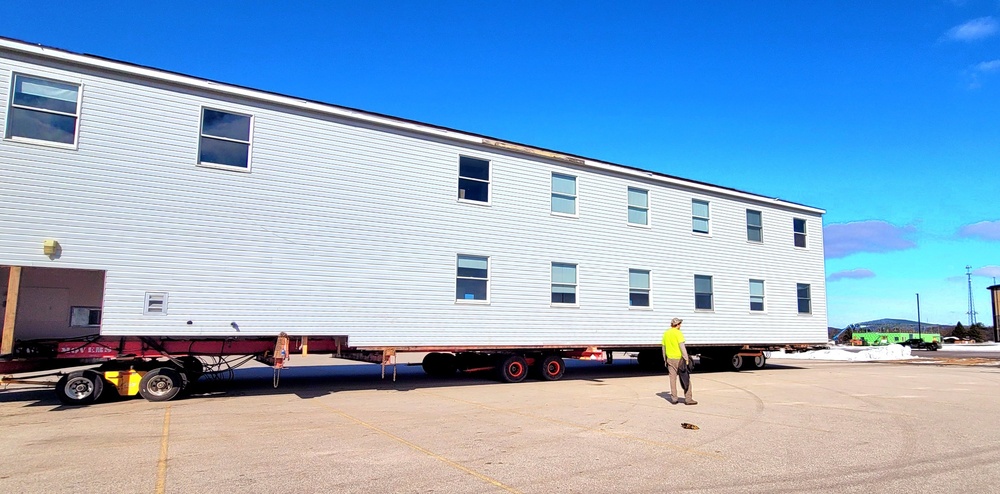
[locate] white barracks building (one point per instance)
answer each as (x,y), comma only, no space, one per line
(137,201)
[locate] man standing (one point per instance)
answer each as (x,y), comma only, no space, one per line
(673,353)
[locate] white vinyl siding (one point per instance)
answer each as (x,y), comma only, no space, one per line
(699,216)
(43,110)
(564,194)
(304,244)
(638,206)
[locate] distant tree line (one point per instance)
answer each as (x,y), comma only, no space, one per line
(976,332)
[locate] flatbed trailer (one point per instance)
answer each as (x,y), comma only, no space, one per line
(160,369)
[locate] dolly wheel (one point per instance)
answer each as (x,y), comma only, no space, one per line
(759,361)
(736,362)
(161,384)
(551,368)
(513,368)
(80,387)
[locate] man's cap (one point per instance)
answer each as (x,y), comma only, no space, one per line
(676,321)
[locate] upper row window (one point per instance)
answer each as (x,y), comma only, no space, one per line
(564,194)
(638,206)
(225,139)
(43,110)
(473,179)
(699,216)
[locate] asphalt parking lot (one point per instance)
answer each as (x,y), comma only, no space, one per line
(796,426)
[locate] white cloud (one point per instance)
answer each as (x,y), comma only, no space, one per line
(976,29)
(990,66)
(987,271)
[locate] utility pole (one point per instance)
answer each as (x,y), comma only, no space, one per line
(919,329)
(972,303)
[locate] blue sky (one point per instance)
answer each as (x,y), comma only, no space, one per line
(886,114)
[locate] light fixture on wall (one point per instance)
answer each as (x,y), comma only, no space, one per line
(50,247)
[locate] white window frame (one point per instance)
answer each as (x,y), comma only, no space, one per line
(488,181)
(798,299)
(707,219)
(804,235)
(575,196)
(711,293)
(759,228)
(575,284)
(762,296)
(10,104)
(489,272)
(203,135)
(646,208)
(648,290)
(164,296)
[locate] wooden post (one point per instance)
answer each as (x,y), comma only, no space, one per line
(13,289)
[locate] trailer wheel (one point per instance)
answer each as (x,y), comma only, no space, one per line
(80,387)
(513,368)
(439,364)
(161,384)
(651,360)
(736,362)
(192,367)
(551,368)
(759,361)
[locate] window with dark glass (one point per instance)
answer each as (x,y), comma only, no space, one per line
(799,226)
(638,288)
(755,226)
(225,139)
(43,110)
(805,298)
(703,292)
(473,179)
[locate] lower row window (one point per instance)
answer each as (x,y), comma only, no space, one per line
(563,283)
(473,278)
(472,283)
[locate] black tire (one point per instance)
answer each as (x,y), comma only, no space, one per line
(439,364)
(651,360)
(80,387)
(162,384)
(512,368)
(192,367)
(550,368)
(759,362)
(736,362)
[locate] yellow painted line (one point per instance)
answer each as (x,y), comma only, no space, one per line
(585,428)
(423,450)
(161,466)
